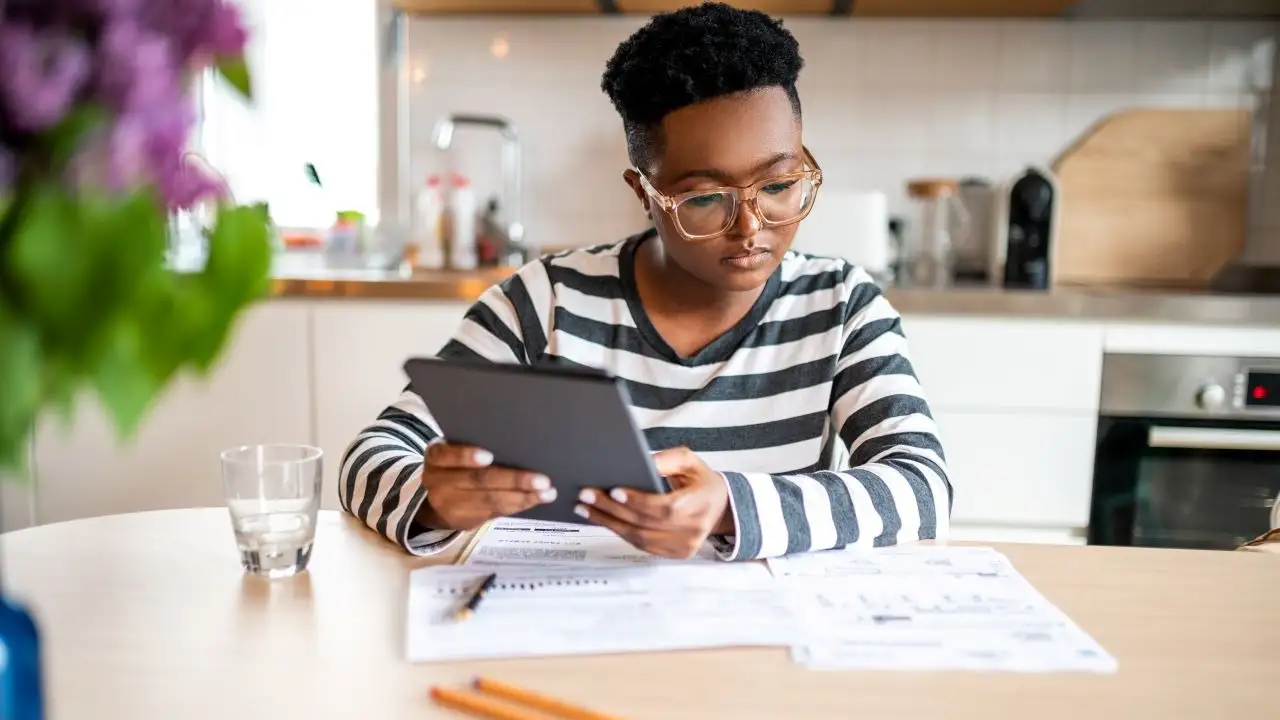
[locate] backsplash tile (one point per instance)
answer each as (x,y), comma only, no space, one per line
(884,100)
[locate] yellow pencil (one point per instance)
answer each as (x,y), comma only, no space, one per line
(554,706)
(479,705)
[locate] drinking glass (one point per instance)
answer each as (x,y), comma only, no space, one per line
(273,493)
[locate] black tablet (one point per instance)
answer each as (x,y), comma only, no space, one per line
(571,424)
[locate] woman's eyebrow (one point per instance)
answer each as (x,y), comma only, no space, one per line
(723,176)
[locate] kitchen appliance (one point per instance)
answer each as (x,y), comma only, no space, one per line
(1028,227)
(941,222)
(851,225)
(974,249)
(1188,452)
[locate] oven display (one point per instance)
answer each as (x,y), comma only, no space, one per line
(1262,389)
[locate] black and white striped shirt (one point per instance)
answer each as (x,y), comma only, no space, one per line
(809,406)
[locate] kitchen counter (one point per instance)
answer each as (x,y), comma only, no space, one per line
(461,285)
(1060,303)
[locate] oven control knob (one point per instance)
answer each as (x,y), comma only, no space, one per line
(1211,396)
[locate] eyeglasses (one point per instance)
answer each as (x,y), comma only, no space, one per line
(777,201)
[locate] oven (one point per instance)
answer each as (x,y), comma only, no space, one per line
(1188,451)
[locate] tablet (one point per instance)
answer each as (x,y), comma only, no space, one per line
(571,424)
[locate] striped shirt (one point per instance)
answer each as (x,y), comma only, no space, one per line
(809,407)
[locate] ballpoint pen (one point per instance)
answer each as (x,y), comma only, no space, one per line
(469,607)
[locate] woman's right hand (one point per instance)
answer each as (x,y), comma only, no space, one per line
(465,490)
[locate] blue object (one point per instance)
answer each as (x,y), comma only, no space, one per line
(21,684)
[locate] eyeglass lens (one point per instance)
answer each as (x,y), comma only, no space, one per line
(714,213)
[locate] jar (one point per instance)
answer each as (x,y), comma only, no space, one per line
(929,253)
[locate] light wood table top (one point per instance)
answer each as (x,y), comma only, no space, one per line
(148,616)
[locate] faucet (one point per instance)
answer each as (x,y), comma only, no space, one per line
(443,135)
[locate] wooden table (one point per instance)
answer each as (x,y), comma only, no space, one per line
(148,616)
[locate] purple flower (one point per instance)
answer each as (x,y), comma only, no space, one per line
(141,52)
(136,68)
(41,73)
(195,27)
(225,33)
(195,182)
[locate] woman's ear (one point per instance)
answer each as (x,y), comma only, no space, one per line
(632,178)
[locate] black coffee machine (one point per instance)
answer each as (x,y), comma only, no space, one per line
(1029,225)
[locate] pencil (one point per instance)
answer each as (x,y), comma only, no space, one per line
(469,609)
(479,705)
(550,705)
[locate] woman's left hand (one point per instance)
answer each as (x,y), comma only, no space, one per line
(673,524)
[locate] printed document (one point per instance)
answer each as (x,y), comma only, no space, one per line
(535,611)
(929,608)
(509,541)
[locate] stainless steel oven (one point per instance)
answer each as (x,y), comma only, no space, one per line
(1188,452)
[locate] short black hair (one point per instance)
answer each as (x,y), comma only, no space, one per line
(694,54)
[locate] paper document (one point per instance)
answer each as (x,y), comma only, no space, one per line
(509,541)
(556,610)
(929,608)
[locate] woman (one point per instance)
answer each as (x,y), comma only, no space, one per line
(775,386)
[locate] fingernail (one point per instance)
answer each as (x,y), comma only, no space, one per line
(541,482)
(547,496)
(580,511)
(483,457)
(588,497)
(618,494)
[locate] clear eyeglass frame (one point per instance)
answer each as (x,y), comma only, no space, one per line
(742,195)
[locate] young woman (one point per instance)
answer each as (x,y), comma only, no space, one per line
(775,386)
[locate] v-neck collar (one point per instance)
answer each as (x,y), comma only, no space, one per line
(717,350)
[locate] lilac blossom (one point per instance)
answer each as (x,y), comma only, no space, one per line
(136,68)
(41,73)
(141,52)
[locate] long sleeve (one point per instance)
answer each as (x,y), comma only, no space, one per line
(895,488)
(380,477)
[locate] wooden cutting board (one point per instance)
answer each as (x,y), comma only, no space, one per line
(1153,197)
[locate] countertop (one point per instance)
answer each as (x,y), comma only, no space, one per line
(1111,304)
(176,630)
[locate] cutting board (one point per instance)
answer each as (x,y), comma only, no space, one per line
(1153,197)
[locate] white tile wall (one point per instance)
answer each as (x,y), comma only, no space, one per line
(884,100)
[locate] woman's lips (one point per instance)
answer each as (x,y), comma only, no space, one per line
(749,260)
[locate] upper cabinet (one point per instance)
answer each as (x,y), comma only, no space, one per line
(961,8)
(872,8)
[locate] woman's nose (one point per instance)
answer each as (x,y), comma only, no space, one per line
(748,220)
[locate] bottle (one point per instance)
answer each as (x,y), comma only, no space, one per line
(21,681)
(346,236)
(462,225)
(430,246)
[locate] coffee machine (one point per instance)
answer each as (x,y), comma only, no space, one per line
(1028,226)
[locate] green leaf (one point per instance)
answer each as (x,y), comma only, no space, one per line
(77,263)
(19,387)
(123,381)
(235,71)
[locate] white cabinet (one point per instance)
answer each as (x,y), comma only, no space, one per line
(260,392)
(1001,363)
(1024,471)
(1016,404)
(360,348)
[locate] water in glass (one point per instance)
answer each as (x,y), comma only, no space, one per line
(273,494)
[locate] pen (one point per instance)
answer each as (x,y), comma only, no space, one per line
(552,706)
(469,608)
